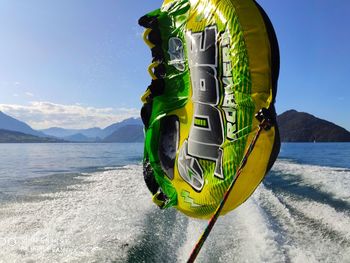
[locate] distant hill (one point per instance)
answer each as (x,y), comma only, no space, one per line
(114,127)
(89,135)
(303,127)
(12,124)
(61,132)
(128,133)
(19,137)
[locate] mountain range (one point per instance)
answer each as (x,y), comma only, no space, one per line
(12,124)
(294,126)
(112,133)
(91,133)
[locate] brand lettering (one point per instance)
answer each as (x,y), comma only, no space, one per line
(207,132)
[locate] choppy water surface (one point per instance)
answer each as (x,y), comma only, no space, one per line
(27,169)
(301,213)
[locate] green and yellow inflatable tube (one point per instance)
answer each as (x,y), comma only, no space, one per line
(215,65)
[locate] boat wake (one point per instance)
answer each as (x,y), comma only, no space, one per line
(300,214)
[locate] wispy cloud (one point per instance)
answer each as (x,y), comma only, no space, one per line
(29,94)
(41,115)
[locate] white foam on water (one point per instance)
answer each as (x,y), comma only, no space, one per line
(335,181)
(244,235)
(193,232)
(307,228)
(275,227)
(256,239)
(324,214)
(287,224)
(104,218)
(93,222)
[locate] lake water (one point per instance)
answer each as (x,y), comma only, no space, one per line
(88,203)
(28,169)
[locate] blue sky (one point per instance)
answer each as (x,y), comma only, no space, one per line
(82,63)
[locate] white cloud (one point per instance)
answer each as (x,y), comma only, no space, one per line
(41,115)
(29,94)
